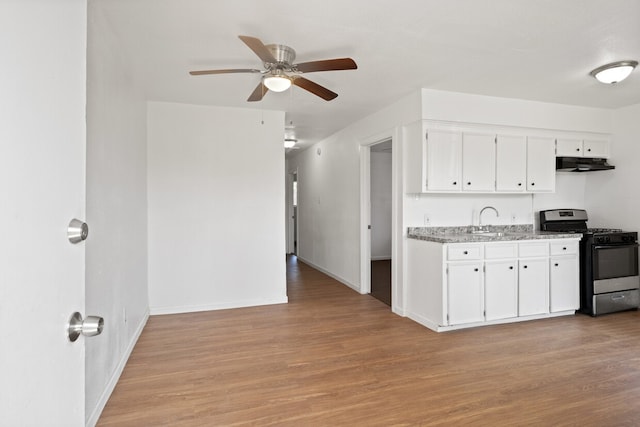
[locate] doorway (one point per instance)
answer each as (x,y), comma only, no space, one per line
(292,212)
(380,196)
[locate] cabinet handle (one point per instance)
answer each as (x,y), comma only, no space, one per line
(564,248)
(475,269)
(466,252)
(589,149)
(577,149)
(511,267)
(468,183)
(519,184)
(524,266)
(533,183)
(556,264)
(455,182)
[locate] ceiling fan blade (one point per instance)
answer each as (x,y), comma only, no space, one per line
(234,70)
(258,93)
(258,48)
(327,65)
(314,88)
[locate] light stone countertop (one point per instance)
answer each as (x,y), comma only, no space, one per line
(463,234)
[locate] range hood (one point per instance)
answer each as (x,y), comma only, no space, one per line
(581,164)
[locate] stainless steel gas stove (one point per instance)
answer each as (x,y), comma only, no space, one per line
(609,280)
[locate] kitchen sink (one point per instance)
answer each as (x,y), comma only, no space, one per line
(489,233)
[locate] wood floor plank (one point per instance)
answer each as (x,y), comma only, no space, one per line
(333,357)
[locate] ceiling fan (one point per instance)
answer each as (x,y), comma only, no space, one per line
(280,72)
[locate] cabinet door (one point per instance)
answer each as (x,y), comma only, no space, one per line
(414,147)
(533,286)
(596,148)
(501,289)
(478,162)
(541,164)
(511,163)
(564,283)
(465,293)
(568,147)
(444,159)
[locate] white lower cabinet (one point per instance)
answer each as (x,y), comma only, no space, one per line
(465,292)
(564,274)
(501,289)
(533,286)
(456,285)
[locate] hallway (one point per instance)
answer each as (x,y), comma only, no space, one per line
(334,357)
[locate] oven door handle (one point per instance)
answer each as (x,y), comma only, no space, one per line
(615,246)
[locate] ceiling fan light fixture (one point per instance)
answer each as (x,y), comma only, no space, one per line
(277,82)
(614,72)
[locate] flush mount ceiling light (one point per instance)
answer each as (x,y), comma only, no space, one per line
(277,81)
(614,72)
(289,142)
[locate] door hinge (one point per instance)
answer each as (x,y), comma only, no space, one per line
(484,269)
(447,317)
(446,270)
(426,135)
(495,140)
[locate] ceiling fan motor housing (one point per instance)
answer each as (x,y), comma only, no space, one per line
(284,55)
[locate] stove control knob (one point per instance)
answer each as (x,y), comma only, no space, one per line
(607,239)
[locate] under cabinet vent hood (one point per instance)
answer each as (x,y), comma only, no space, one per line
(581,164)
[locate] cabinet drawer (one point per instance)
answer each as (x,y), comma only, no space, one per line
(464,252)
(564,248)
(537,249)
(500,250)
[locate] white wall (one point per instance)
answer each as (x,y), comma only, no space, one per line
(329,192)
(216,193)
(381,205)
(613,199)
(116,251)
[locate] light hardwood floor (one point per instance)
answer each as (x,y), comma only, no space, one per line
(332,357)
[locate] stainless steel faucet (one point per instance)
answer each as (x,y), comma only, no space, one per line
(480,226)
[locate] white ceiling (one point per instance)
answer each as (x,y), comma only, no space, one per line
(531,49)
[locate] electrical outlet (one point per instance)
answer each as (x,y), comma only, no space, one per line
(427,220)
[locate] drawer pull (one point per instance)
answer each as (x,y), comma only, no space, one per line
(564,248)
(466,252)
(475,269)
(617,297)
(524,266)
(511,267)
(556,264)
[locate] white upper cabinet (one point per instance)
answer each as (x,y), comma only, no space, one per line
(511,163)
(576,147)
(444,154)
(541,165)
(568,147)
(444,157)
(478,162)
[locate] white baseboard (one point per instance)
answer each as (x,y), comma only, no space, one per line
(111,385)
(333,276)
(222,306)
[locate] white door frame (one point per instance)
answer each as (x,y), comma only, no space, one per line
(397,291)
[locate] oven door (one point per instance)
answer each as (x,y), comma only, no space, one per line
(615,268)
